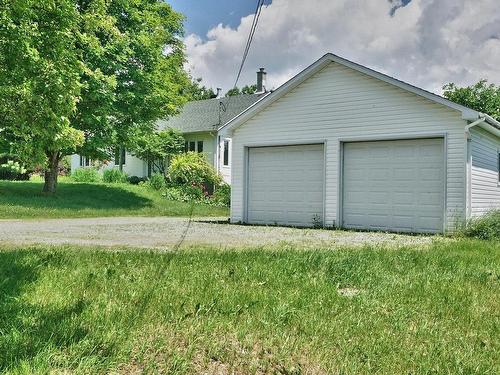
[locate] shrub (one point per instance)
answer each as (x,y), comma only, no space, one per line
(135,180)
(12,170)
(114,176)
(85,175)
(191,168)
(65,166)
(485,227)
(185,193)
(157,181)
(222,195)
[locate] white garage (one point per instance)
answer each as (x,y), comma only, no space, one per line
(345,146)
(394,185)
(285,185)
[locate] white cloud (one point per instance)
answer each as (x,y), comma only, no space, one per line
(427,42)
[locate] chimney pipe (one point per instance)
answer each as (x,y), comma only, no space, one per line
(261,81)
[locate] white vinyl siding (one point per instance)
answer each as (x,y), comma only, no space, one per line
(394,185)
(339,104)
(285,185)
(485,187)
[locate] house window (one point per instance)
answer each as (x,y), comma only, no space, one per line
(84,161)
(226,152)
(195,146)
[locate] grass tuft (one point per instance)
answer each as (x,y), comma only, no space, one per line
(485,227)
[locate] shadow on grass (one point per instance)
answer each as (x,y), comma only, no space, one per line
(71,196)
(27,327)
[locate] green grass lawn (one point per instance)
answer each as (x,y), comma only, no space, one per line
(410,311)
(24,199)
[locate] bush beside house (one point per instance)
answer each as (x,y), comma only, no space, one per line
(86,175)
(114,176)
(192,178)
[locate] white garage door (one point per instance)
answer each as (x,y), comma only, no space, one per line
(285,185)
(394,185)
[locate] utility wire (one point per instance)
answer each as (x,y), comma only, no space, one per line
(250,39)
(255,21)
(251,34)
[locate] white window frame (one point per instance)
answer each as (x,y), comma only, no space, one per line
(187,145)
(224,141)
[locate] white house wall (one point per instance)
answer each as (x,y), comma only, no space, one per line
(338,104)
(485,187)
(208,144)
(133,166)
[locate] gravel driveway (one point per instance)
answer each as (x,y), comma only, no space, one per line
(167,232)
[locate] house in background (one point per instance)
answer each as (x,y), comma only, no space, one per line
(343,145)
(199,122)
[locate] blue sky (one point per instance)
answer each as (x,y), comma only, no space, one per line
(202,15)
(427,43)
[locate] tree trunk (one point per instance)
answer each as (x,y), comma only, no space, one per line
(51,173)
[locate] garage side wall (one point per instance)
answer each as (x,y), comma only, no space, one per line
(485,186)
(338,104)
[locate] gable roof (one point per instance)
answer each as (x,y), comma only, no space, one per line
(467,113)
(203,115)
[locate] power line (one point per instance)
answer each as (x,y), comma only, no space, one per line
(255,21)
(250,38)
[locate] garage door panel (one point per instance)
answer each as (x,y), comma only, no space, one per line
(394,185)
(285,185)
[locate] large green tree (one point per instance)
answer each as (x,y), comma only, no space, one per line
(86,74)
(39,80)
(482,97)
(195,90)
(133,53)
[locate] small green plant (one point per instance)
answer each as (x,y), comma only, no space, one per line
(186,193)
(157,181)
(486,227)
(317,221)
(114,176)
(11,170)
(192,168)
(86,175)
(222,195)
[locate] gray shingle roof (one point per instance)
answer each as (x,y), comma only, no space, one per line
(203,115)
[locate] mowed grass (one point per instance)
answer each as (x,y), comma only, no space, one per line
(24,199)
(352,311)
